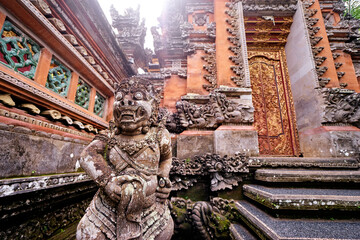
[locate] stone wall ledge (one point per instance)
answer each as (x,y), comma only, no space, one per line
(306,162)
(10,187)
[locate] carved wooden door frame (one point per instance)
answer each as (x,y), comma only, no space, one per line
(275,118)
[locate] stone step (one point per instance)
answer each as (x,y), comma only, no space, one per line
(304,198)
(268,227)
(301,175)
(239,232)
(304,162)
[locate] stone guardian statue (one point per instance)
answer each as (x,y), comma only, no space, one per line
(130,163)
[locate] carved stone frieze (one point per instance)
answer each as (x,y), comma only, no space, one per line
(262,8)
(195,7)
(341,106)
(167,72)
(216,111)
(225,172)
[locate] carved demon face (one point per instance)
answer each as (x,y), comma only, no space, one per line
(135,106)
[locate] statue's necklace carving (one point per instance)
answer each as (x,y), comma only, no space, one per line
(135,147)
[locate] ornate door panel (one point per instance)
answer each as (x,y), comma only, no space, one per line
(274,114)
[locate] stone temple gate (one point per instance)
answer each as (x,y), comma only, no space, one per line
(261,98)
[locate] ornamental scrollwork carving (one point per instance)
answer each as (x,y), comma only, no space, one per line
(225,172)
(235,45)
(210,67)
(341,106)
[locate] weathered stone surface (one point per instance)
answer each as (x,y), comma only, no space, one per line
(304,162)
(25,154)
(231,139)
(38,207)
(239,232)
(331,141)
(304,198)
(191,143)
(272,228)
(294,175)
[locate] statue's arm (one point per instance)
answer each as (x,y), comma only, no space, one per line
(165,155)
(93,162)
(162,192)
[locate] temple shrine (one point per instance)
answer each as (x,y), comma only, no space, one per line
(261,100)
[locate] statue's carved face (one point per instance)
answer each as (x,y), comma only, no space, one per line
(133,107)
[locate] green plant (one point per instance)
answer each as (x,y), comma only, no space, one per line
(352,8)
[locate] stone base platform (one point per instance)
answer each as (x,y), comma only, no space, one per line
(268,227)
(229,140)
(304,198)
(295,175)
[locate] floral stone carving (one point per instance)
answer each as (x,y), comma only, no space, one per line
(130,163)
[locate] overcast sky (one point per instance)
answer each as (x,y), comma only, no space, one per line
(150,10)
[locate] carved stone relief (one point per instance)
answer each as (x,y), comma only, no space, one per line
(225,172)
(216,111)
(341,106)
(209,220)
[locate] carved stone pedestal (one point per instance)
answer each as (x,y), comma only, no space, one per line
(331,141)
(231,139)
(194,142)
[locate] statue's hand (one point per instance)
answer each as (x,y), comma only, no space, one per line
(163,190)
(113,189)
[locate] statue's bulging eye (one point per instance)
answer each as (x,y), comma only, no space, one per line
(139,96)
(119,96)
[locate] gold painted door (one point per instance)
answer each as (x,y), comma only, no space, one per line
(274,111)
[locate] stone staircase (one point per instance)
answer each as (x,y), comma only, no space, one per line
(300,202)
